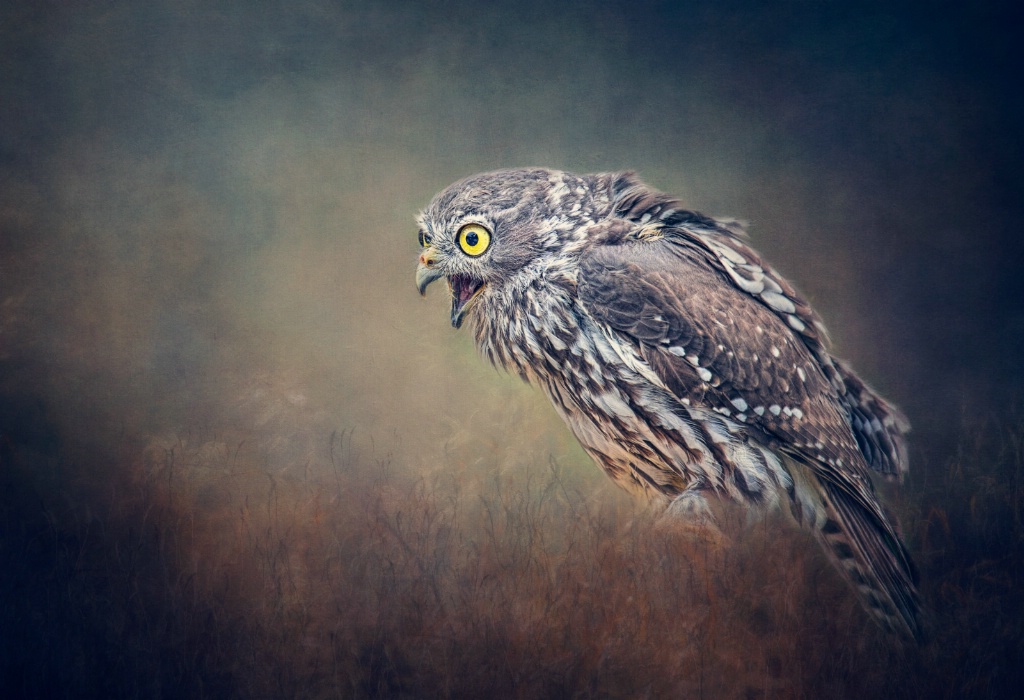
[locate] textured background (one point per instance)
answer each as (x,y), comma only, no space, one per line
(206,231)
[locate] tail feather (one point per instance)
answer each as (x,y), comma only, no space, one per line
(867,550)
(864,547)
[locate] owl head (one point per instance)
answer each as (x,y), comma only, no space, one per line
(492,233)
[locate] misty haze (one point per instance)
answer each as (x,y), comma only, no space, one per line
(241,456)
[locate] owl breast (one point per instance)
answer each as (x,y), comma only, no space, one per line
(643,436)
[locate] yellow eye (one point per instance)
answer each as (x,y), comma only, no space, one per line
(473,239)
(425,239)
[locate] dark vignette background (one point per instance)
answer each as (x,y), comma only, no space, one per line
(206,217)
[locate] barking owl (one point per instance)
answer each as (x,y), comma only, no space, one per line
(683,363)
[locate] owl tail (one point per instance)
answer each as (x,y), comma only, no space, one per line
(862,544)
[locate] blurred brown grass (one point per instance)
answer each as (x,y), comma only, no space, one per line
(204,570)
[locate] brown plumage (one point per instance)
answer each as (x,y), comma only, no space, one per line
(684,364)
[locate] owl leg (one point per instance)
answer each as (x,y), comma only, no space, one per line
(691,512)
(691,505)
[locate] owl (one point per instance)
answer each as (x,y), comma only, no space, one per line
(687,367)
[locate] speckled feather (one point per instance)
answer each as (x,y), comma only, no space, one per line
(682,362)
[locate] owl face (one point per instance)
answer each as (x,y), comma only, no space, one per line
(494,231)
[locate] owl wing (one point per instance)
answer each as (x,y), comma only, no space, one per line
(878,427)
(713,343)
(756,358)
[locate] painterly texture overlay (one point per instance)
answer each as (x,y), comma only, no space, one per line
(241,456)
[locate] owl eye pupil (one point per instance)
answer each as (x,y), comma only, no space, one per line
(472,238)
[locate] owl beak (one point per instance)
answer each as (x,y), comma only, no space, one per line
(426,272)
(464,289)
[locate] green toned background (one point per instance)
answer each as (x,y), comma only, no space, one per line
(207,251)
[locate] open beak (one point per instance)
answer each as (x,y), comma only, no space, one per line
(465,290)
